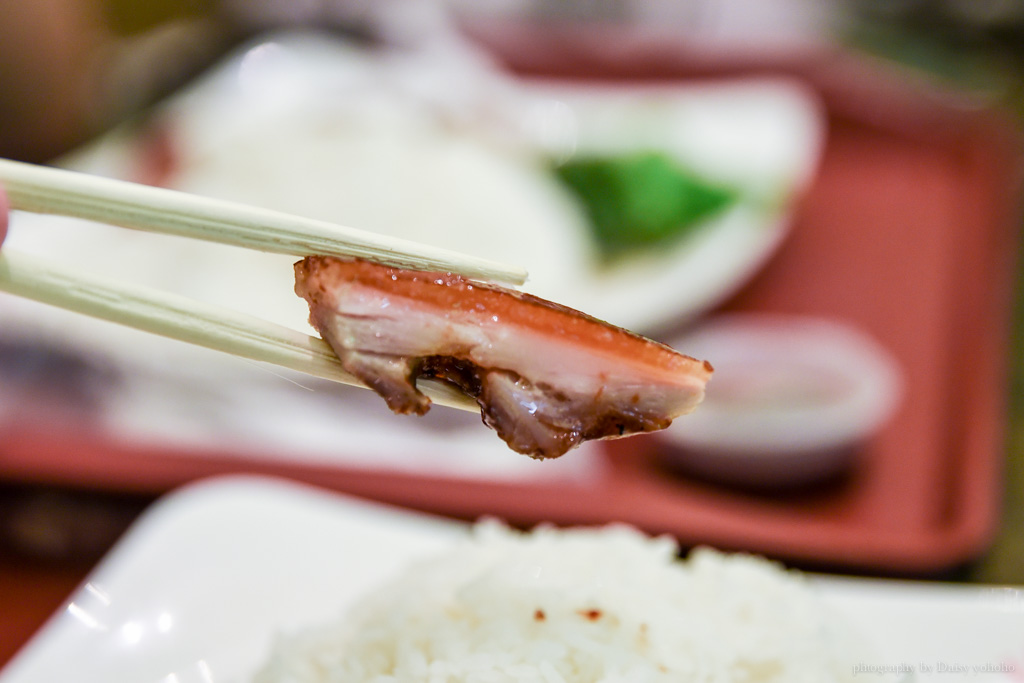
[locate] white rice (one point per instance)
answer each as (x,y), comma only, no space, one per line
(560,606)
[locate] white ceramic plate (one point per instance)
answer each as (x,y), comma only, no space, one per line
(428,148)
(455,154)
(197,589)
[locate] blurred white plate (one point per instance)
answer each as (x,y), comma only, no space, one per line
(197,589)
(454,153)
(441,150)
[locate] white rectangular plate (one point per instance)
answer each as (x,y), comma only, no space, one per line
(196,591)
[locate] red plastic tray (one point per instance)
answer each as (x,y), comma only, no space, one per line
(909,231)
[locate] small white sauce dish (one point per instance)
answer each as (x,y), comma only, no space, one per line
(791,398)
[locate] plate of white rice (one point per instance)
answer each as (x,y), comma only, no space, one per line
(245,579)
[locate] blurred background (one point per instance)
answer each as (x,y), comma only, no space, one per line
(821,198)
(104,61)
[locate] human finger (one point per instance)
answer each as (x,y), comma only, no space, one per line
(4,206)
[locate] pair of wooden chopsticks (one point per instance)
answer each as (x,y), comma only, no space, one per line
(47,190)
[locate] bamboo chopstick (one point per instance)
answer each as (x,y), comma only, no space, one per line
(41,189)
(187,320)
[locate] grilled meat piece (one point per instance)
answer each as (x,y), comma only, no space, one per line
(547,378)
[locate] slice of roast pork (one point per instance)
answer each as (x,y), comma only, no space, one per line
(547,378)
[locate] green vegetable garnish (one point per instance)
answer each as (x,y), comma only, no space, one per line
(641,201)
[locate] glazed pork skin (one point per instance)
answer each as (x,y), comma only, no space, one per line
(547,378)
